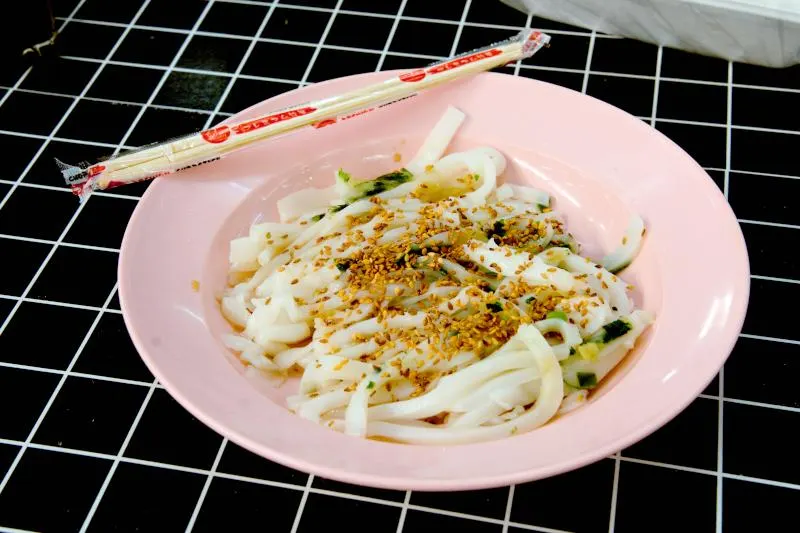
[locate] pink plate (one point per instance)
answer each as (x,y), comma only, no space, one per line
(600,164)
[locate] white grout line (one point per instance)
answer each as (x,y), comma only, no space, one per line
(587,69)
(206,485)
(760,481)
(403,512)
(4,529)
(460,27)
(764,174)
(771,278)
(111,101)
(56,138)
(694,470)
(540,529)
(509,502)
(318,47)
(776,406)
(56,303)
(766,338)
(612,517)
(55,392)
(27,185)
(763,223)
(52,243)
(390,36)
(117,459)
(656,84)
(299,515)
(84,375)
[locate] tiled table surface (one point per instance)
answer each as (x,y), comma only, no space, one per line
(88,440)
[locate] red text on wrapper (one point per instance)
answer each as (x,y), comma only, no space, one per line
(262,122)
(216,135)
(466,60)
(414,75)
(329,121)
(323,123)
(94,171)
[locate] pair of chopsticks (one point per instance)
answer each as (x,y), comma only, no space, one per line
(210,145)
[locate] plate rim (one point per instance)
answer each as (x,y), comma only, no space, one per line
(410,482)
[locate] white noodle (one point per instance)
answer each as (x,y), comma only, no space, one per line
(434,305)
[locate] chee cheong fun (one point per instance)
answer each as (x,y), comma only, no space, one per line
(431,305)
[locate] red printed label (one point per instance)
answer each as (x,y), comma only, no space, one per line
(323,123)
(216,135)
(466,60)
(95,170)
(271,119)
(414,75)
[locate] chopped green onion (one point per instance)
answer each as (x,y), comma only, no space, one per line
(371,384)
(586,380)
(615,329)
(337,208)
(498,229)
(561,315)
(343,176)
(495,306)
(343,265)
(317,218)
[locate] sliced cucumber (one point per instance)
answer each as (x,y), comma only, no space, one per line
(622,256)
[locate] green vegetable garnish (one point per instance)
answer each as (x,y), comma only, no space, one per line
(371,384)
(572,351)
(476,177)
(495,306)
(561,315)
(615,329)
(414,249)
(586,380)
(365,189)
(317,218)
(343,265)
(343,176)
(498,229)
(530,299)
(337,208)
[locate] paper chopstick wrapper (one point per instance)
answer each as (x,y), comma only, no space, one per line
(210,145)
